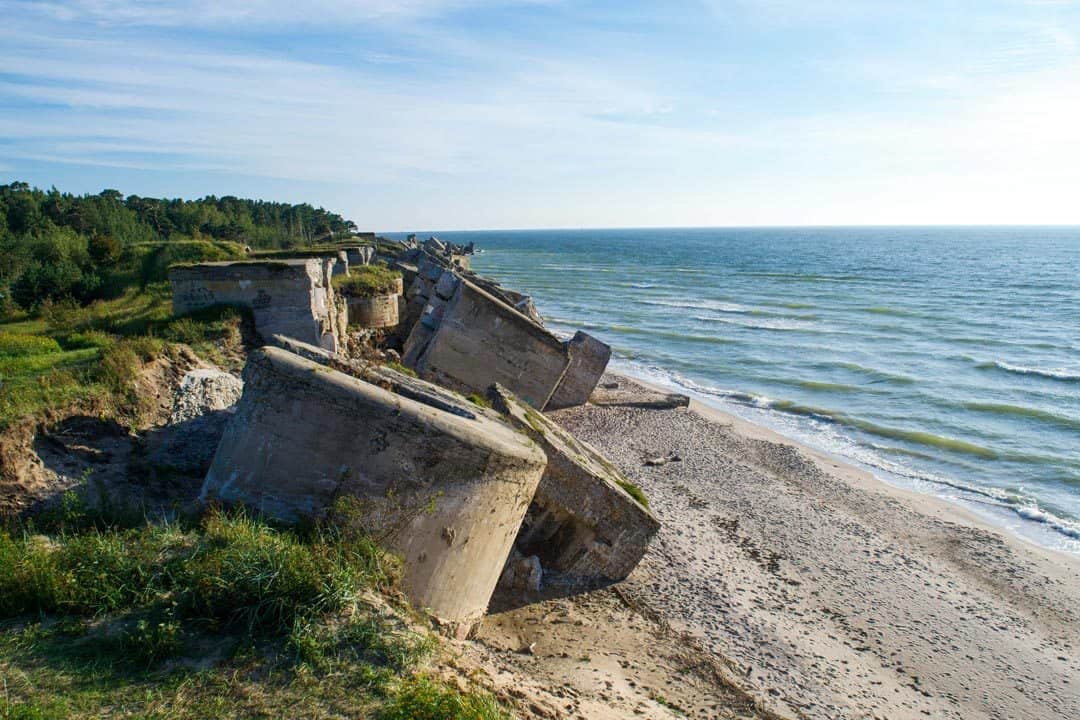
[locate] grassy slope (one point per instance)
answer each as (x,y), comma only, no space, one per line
(226,617)
(222,617)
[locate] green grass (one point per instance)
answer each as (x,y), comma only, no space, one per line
(367,280)
(69,356)
(422,698)
(403,369)
(479,400)
(224,616)
(635,492)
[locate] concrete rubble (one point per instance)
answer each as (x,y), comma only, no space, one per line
(467,338)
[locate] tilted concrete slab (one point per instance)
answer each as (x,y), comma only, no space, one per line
(446,490)
(292,297)
(588,360)
(478,340)
(581,523)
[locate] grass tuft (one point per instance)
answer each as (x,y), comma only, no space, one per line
(635,492)
(422,698)
(367,280)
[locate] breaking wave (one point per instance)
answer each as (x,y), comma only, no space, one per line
(1054,374)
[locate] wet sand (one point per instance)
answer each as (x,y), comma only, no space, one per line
(828,593)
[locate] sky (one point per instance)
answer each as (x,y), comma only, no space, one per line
(492,114)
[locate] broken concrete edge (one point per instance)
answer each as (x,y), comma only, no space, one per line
(389,379)
(582,521)
(546,431)
(589,358)
(442,346)
(430,481)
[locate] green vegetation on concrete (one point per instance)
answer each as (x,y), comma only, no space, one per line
(635,492)
(225,616)
(479,400)
(403,369)
(367,280)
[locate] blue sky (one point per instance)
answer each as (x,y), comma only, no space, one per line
(414,114)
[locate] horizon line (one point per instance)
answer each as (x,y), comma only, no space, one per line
(831,226)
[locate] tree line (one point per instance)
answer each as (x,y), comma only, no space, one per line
(84,247)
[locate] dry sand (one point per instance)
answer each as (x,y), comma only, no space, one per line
(831,594)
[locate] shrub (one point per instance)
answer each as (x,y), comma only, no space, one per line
(367,280)
(30,578)
(18,345)
(251,577)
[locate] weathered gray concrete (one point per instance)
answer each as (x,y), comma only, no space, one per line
(581,523)
(477,340)
(377,311)
(446,490)
(360,254)
(292,297)
(588,360)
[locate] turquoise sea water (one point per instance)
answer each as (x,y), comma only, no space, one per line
(945,360)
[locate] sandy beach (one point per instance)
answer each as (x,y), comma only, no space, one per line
(827,593)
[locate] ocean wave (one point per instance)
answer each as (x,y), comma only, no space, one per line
(917,437)
(830,387)
(893,312)
(876,376)
(691,304)
(1020,411)
(1052,374)
(762,324)
(874,454)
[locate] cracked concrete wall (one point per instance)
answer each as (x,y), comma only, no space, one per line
(588,360)
(446,490)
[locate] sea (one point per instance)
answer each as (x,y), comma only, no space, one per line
(944,360)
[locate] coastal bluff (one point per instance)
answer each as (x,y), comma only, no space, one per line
(462,489)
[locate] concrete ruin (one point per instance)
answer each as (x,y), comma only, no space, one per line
(447,490)
(584,527)
(467,338)
(452,486)
(292,297)
(588,360)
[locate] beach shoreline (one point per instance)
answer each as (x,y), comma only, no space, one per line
(834,594)
(927,503)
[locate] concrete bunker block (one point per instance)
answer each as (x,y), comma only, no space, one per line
(434,245)
(446,285)
(360,254)
(377,311)
(481,340)
(290,297)
(588,360)
(447,491)
(581,523)
(341,267)
(428,268)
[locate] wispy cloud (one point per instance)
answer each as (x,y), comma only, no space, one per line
(477,112)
